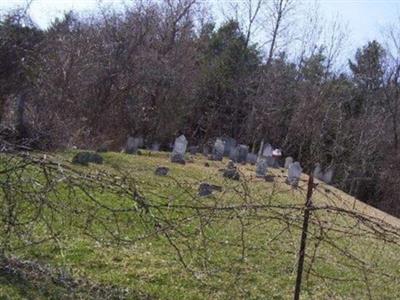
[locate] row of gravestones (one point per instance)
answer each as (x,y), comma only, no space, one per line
(228,147)
(134,143)
(221,148)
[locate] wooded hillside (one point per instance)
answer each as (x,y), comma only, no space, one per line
(160,68)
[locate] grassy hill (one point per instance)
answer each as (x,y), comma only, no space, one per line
(119,231)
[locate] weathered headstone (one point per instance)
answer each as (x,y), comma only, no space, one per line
(262,167)
(267,152)
(84,158)
(294,174)
(133,144)
(230,143)
(231,165)
(206,189)
(218,150)
(260,151)
(206,150)
(276,156)
(328,175)
(161,171)
(251,158)
(140,142)
(231,171)
(193,150)
(243,150)
(234,154)
(288,162)
(178,153)
(102,149)
(318,172)
(231,174)
(155,147)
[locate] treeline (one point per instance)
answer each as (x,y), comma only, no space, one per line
(161,68)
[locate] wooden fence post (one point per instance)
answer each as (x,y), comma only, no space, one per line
(302,250)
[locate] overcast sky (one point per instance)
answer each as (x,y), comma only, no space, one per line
(365,18)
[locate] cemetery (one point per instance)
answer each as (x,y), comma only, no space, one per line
(237,153)
(190,149)
(162,212)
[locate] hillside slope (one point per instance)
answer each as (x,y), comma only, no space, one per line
(120,227)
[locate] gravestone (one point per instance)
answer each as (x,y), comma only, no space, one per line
(260,151)
(218,150)
(288,162)
(243,150)
(206,150)
(262,167)
(276,156)
(161,171)
(251,158)
(294,174)
(102,149)
(193,150)
(318,172)
(231,165)
(140,142)
(178,153)
(267,152)
(328,175)
(231,172)
(84,158)
(234,154)
(155,147)
(133,144)
(206,189)
(230,143)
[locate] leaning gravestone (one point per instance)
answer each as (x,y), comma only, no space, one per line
(132,145)
(288,162)
(262,167)
(178,153)
(251,158)
(318,172)
(230,143)
(294,174)
(328,175)
(218,150)
(243,150)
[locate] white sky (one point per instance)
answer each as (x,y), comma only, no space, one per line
(365,18)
